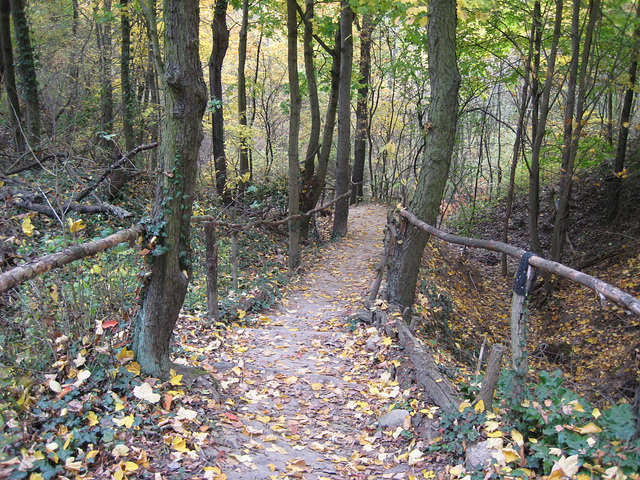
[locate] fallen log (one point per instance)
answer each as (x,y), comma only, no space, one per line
(73,206)
(439,388)
(22,273)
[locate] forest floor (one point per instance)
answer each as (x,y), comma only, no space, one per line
(304,386)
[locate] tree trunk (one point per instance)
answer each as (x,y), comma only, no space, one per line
(341,214)
(329,122)
(294,130)
(439,142)
(218,52)
(103,40)
(242,97)
(76,16)
(9,71)
(309,179)
(572,136)
(27,71)
(185,102)
(125,75)
(623,129)
(539,135)
(362,110)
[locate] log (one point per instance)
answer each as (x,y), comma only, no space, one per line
(73,206)
(22,273)
(438,387)
(375,286)
(614,294)
(491,376)
(211,244)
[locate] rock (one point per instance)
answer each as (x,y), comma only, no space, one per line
(372,343)
(479,455)
(393,419)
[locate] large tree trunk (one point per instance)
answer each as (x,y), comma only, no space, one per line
(572,139)
(623,130)
(362,110)
(294,129)
(440,138)
(218,52)
(185,102)
(9,71)
(242,96)
(125,75)
(341,215)
(27,71)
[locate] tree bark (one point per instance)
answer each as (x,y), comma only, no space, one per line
(242,97)
(22,273)
(294,131)
(104,43)
(9,71)
(125,75)
(539,134)
(572,135)
(329,122)
(171,266)
(27,71)
(309,179)
(343,152)
(439,142)
(623,129)
(362,110)
(491,377)
(218,52)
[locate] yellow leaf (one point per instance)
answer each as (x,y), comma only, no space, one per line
(241,313)
(517,437)
(96,269)
(387,341)
(175,378)
(479,407)
(596,413)
(92,454)
(125,355)
(36,476)
(75,225)
(133,367)
(93,418)
(464,405)
(316,386)
(125,421)
(495,434)
(54,293)
(27,227)
(566,466)
(130,467)
(589,428)
(179,444)
(272,467)
(510,455)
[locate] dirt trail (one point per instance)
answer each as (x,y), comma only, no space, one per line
(303,392)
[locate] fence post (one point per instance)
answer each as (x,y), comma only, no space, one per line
(211,244)
(519,322)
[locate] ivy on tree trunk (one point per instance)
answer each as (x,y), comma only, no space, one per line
(185,102)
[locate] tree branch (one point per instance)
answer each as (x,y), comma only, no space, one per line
(22,273)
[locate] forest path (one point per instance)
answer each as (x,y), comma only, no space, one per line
(303,391)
